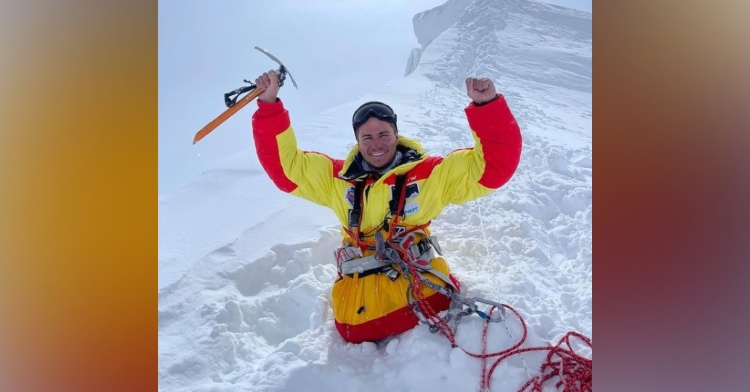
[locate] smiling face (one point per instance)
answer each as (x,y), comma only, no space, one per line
(377,142)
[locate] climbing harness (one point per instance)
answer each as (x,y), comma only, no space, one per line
(391,253)
(400,256)
(396,209)
(349,259)
(412,257)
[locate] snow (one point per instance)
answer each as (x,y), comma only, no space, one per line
(245,270)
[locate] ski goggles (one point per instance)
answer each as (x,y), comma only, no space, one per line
(375,109)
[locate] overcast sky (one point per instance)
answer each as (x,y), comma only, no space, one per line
(336,50)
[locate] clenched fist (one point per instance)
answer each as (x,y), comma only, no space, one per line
(480,90)
(269,83)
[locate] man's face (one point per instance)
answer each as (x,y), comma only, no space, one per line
(377,142)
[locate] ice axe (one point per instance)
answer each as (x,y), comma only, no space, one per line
(234,102)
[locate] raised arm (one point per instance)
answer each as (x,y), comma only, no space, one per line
(309,175)
(466,174)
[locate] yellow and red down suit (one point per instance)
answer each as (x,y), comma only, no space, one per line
(373,307)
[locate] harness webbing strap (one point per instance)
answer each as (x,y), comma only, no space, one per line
(397,203)
(355,213)
(421,259)
(399,194)
(396,207)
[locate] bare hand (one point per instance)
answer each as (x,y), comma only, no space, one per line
(269,82)
(480,90)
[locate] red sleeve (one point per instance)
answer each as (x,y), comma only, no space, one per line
(270,120)
(500,137)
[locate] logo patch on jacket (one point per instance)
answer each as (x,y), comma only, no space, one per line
(411,208)
(412,190)
(349,196)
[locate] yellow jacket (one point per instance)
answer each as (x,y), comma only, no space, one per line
(432,183)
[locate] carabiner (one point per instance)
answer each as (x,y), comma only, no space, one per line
(486,316)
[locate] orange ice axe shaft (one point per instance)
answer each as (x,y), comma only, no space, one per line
(226,114)
(234,103)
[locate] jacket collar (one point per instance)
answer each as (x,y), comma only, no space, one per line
(410,149)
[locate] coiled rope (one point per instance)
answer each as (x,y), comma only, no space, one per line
(572,370)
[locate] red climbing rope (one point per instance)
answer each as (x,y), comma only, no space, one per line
(421,300)
(574,371)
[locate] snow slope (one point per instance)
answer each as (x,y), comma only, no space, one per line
(245,270)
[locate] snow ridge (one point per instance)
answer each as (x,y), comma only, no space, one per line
(429,24)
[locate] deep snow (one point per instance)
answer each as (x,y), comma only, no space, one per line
(245,270)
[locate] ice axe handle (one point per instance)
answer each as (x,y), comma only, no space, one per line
(226,114)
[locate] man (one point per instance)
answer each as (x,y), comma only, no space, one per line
(387,191)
